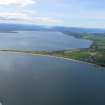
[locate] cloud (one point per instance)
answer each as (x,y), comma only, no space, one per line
(12,15)
(47,20)
(23,17)
(17,2)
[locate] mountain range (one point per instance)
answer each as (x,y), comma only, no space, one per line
(29,27)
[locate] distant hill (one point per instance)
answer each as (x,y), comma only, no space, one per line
(79,30)
(14,27)
(7,26)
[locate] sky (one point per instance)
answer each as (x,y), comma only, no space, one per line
(73,13)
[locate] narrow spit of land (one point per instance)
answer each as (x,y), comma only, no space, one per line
(56,54)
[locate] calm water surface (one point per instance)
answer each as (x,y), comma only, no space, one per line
(37,40)
(36,80)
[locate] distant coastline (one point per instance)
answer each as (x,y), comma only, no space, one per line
(4,31)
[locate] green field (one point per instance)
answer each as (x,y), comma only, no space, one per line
(95,54)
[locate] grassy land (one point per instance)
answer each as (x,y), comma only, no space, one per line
(89,56)
(95,54)
(98,48)
(99,42)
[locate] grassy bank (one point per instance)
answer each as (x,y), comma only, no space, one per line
(95,54)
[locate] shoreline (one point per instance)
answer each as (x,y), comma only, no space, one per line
(53,56)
